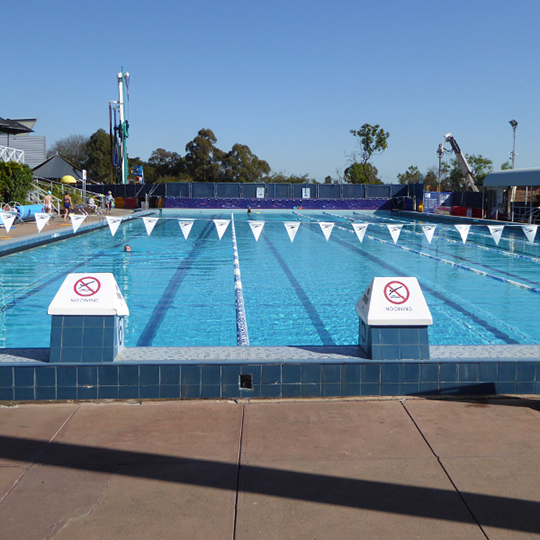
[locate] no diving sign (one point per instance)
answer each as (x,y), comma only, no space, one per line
(87,286)
(396,292)
(394,301)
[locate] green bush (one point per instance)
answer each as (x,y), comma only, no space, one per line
(15,181)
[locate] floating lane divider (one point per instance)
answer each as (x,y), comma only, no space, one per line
(445,261)
(242,335)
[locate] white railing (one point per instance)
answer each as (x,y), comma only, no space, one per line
(11,154)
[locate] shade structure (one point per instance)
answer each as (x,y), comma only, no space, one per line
(12,127)
(513,177)
(68,179)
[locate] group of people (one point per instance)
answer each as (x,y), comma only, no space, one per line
(68,204)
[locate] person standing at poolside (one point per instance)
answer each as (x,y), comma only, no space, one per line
(47,203)
(67,206)
(109,201)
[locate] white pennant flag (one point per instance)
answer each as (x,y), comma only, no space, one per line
(292,228)
(76,221)
(530,232)
(360,230)
(496,232)
(395,231)
(221,226)
(185,226)
(7,219)
(150,223)
(256,228)
(463,231)
(326,228)
(429,231)
(41,220)
(114,223)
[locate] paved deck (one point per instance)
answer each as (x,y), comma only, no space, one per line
(374,469)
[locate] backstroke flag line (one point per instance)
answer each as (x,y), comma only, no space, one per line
(41,220)
(76,221)
(185,227)
(221,226)
(463,231)
(150,223)
(256,228)
(326,228)
(292,228)
(7,219)
(429,231)
(496,232)
(114,223)
(530,232)
(360,230)
(395,231)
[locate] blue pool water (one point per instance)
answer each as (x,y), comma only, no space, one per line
(181,292)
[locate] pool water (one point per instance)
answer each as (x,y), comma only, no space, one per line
(181,292)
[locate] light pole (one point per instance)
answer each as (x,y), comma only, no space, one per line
(514,125)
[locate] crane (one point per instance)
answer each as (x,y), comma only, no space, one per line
(469,177)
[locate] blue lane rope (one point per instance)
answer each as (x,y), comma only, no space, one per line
(445,261)
(242,335)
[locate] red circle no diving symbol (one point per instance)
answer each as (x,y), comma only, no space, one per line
(396,292)
(87,286)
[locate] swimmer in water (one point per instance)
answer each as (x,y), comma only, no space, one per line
(127,248)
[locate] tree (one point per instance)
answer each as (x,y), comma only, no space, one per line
(411,176)
(73,149)
(358,173)
(15,181)
(241,165)
(99,163)
(480,168)
(506,166)
(373,141)
(203,159)
(165,164)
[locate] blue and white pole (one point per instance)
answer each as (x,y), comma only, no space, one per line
(242,335)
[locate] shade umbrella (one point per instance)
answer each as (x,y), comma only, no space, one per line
(12,127)
(68,179)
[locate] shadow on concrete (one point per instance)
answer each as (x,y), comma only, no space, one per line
(479,394)
(488,510)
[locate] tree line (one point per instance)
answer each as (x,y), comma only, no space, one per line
(204,161)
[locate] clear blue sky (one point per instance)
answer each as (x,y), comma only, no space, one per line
(287,78)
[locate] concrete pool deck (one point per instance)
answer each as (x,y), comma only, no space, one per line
(365,468)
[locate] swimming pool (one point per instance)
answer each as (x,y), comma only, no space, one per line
(181,291)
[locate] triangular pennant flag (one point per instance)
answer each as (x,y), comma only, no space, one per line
(76,221)
(7,219)
(256,228)
(292,228)
(41,220)
(221,226)
(395,231)
(326,228)
(463,231)
(185,226)
(530,232)
(429,231)
(114,223)
(496,232)
(150,223)
(360,230)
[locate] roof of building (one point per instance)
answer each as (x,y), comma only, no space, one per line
(513,177)
(55,168)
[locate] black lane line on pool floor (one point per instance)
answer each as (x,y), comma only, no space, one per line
(169,292)
(396,271)
(318,324)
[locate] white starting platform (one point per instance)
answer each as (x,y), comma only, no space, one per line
(394,320)
(87,319)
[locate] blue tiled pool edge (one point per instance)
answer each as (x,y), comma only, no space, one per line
(271,372)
